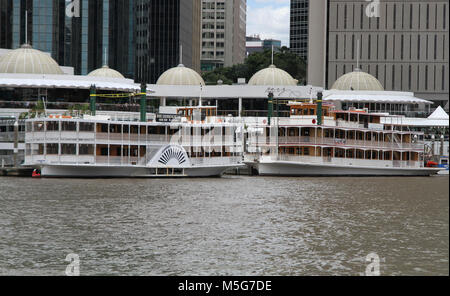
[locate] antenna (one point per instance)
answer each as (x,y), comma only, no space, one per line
(272,54)
(26,26)
(105,56)
(181,54)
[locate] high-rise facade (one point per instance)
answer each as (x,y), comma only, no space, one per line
(168,32)
(6,20)
(103,32)
(223,33)
(404,44)
(298,35)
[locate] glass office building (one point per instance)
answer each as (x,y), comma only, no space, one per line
(162,28)
(298,37)
(103,32)
(120,33)
(6,20)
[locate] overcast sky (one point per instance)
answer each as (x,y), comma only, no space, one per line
(269,19)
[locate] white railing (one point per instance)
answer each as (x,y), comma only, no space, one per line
(210,161)
(305,141)
(349,124)
(343,161)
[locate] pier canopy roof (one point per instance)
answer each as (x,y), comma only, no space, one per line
(391,97)
(236,91)
(180,75)
(26,60)
(438,114)
(272,76)
(415,121)
(66,82)
(106,71)
(357,80)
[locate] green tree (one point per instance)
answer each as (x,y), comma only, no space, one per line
(36,110)
(284,59)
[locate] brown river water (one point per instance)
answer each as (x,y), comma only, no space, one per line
(234,225)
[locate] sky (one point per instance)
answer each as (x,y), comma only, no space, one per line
(269,19)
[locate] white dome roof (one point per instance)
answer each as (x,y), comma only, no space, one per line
(272,76)
(26,60)
(180,75)
(357,80)
(106,71)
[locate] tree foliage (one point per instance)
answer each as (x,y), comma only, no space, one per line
(285,60)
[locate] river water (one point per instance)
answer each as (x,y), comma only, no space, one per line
(234,225)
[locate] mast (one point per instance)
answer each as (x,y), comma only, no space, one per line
(26,26)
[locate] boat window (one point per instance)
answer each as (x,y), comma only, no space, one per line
(38,126)
(86,149)
(305,150)
(156,130)
(103,150)
(52,125)
(40,150)
(115,129)
(68,149)
(52,149)
(102,128)
(69,126)
(134,151)
(134,129)
(86,127)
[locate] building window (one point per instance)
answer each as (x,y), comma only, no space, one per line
(435,46)
(401,77)
(337,16)
(444,9)
(410,16)
(426,77)
(401,47)
(443,47)
(393,77)
(443,77)
(418,77)
(403,15)
(393,47)
(435,16)
(434,77)
(418,47)
(409,77)
(395,15)
(353,17)
(410,47)
(337,46)
(362,16)
(345,16)
(353,47)
(345,46)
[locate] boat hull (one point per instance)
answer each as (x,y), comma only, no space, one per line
(285,168)
(86,171)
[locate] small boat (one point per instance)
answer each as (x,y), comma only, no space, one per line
(36,174)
